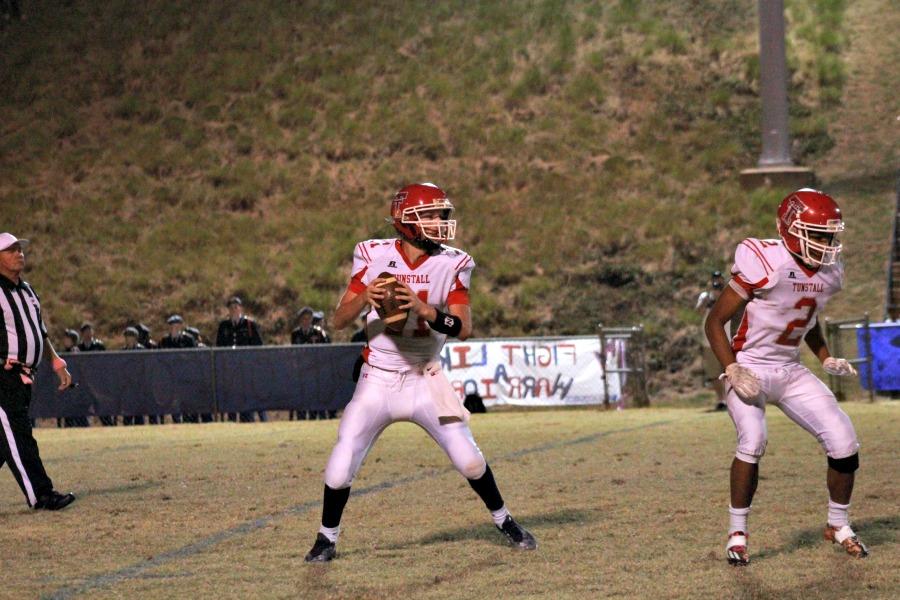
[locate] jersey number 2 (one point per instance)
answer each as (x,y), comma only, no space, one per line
(788,337)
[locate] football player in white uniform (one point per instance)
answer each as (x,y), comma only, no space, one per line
(402,378)
(782,284)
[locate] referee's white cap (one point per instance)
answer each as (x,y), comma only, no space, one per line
(8,239)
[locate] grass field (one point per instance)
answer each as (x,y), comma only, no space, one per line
(629,504)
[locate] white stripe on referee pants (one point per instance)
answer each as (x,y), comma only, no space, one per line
(14,450)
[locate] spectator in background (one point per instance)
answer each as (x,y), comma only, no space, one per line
(238,330)
(131,339)
(88,342)
(70,341)
(318,320)
(195,333)
(308,332)
(144,338)
(711,367)
(177,338)
(131,343)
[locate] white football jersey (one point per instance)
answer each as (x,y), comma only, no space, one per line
(439,279)
(785,299)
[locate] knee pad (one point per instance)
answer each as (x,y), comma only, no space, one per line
(474,468)
(339,472)
(338,481)
(844,465)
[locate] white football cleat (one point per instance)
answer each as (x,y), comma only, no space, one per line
(737,549)
(847,538)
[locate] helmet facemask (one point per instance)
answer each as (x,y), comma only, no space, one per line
(437,228)
(819,244)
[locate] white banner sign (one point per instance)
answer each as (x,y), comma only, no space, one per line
(534,372)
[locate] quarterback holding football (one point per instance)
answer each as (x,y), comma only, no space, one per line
(782,285)
(419,288)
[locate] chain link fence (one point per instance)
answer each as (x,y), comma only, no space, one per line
(629,345)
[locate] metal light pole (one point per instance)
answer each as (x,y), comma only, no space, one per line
(775,166)
(776,151)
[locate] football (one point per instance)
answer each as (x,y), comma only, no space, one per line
(390,312)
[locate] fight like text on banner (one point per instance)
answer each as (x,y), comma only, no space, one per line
(533,372)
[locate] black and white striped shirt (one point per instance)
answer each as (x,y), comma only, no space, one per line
(22,329)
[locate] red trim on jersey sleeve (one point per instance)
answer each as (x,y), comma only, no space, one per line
(364,252)
(462,263)
(356,283)
(365,354)
(748,287)
(744,285)
(460,296)
(759,254)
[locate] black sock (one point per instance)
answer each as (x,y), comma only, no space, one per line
(486,488)
(333,506)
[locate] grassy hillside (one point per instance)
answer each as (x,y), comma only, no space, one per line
(165,155)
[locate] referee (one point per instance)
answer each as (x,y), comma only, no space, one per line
(23,338)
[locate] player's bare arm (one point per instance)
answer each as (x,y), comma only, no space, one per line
(351,303)
(833,366)
(816,342)
(464,312)
(728,304)
(743,380)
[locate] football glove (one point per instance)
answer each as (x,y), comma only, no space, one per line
(838,366)
(743,380)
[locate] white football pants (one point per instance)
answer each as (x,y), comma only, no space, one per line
(804,399)
(385,397)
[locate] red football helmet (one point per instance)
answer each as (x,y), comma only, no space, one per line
(810,223)
(421,212)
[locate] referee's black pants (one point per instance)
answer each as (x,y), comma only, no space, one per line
(18,448)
